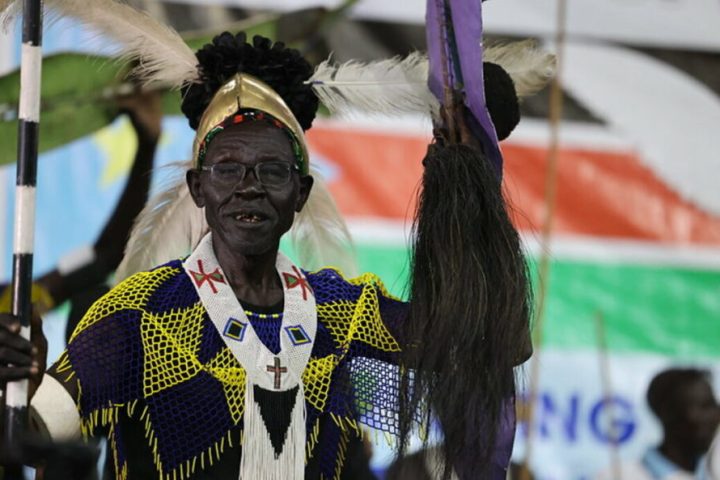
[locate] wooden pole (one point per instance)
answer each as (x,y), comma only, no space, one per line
(605,379)
(556,106)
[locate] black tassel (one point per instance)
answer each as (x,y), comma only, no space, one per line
(469,308)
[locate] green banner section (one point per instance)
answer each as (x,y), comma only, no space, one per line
(665,310)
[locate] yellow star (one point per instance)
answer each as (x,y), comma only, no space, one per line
(119,143)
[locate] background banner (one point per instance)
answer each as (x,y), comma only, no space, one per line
(637,232)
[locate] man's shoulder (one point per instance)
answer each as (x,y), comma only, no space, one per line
(170,269)
(136,290)
(329,281)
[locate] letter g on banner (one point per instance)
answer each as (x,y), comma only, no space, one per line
(612,420)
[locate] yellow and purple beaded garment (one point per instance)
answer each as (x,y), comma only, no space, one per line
(147,351)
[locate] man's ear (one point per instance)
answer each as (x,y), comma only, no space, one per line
(192,177)
(306,184)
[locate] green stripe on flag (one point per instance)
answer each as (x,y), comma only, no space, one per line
(667,310)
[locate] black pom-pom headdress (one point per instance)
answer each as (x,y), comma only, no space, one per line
(283,69)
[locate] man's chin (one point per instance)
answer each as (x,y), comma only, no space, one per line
(250,247)
(247,243)
(253,250)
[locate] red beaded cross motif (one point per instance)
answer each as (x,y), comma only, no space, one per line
(297,280)
(202,277)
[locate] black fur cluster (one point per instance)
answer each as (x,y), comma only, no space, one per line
(282,68)
(469,315)
(501,99)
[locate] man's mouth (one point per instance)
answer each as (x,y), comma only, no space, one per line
(249,217)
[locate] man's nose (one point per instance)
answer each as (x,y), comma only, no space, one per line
(249,184)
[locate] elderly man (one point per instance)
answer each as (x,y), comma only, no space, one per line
(234,361)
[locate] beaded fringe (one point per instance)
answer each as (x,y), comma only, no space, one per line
(259,460)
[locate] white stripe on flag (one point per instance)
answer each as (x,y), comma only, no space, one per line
(635,252)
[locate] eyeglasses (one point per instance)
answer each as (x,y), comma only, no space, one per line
(268,174)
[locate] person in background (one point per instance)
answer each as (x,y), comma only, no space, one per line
(81,275)
(684,403)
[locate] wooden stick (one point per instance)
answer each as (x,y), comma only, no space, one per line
(556,107)
(605,379)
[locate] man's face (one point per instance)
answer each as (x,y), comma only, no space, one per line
(696,415)
(249,218)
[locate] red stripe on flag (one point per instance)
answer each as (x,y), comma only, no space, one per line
(600,193)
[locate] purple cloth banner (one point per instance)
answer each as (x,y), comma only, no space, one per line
(454,31)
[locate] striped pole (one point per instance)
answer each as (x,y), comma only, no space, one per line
(15,418)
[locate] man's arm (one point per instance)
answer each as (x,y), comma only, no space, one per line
(92,265)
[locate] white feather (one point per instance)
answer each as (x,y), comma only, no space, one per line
(169,227)
(398,85)
(319,234)
(162,55)
(530,67)
(391,86)
(9,10)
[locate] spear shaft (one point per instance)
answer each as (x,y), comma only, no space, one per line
(15,415)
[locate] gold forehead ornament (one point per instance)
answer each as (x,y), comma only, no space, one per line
(244,91)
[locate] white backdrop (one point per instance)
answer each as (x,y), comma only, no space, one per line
(688,24)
